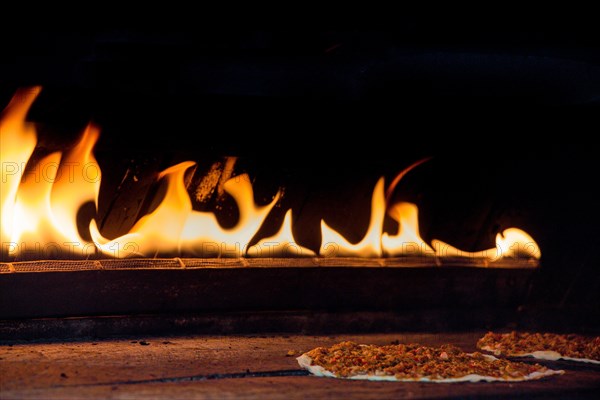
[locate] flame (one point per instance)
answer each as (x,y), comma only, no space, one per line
(334,244)
(41,214)
(40,202)
(32,218)
(174,227)
(408,240)
(50,196)
(203,235)
(511,243)
(77,183)
(17,142)
(158,232)
(281,244)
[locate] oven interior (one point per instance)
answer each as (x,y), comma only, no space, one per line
(504,120)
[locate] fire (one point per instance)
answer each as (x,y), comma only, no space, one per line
(17,142)
(158,232)
(281,244)
(40,202)
(174,227)
(203,236)
(370,246)
(511,243)
(408,240)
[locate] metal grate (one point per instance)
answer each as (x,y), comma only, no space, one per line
(308,262)
(5,268)
(53,266)
(141,263)
(214,262)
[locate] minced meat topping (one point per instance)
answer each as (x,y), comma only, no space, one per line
(413,361)
(515,343)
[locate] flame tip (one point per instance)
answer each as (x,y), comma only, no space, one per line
(182,166)
(400,175)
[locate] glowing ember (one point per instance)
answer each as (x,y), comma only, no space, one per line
(40,201)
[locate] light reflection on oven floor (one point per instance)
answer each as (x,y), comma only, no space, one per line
(236,366)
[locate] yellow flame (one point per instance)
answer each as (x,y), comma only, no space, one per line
(174,227)
(40,202)
(17,142)
(282,244)
(204,236)
(77,182)
(408,241)
(32,218)
(41,215)
(159,231)
(335,245)
(511,243)
(515,242)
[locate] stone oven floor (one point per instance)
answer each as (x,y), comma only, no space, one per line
(246,367)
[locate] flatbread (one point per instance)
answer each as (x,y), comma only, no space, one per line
(543,346)
(446,360)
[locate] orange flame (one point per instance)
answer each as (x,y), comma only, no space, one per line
(158,232)
(203,235)
(41,215)
(512,243)
(40,201)
(334,244)
(281,244)
(17,142)
(174,227)
(408,240)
